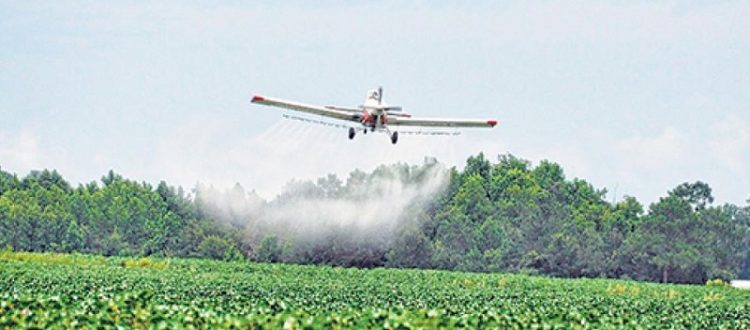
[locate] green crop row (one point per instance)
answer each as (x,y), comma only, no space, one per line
(55,291)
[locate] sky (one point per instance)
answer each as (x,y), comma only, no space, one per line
(632,96)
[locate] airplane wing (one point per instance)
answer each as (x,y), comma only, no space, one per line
(313,109)
(333,107)
(441,122)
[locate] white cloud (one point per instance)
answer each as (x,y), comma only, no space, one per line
(654,153)
(730,144)
(537,22)
(718,153)
(19,152)
(647,166)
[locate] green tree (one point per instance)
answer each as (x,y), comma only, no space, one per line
(492,244)
(8,182)
(410,249)
(478,165)
(471,200)
(667,223)
(46,179)
(74,237)
(114,245)
(697,194)
(214,247)
(269,250)
(455,237)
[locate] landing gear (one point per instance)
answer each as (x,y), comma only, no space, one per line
(394,137)
(352,132)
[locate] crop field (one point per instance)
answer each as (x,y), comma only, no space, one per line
(75,291)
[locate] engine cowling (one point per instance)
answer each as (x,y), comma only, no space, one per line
(367,118)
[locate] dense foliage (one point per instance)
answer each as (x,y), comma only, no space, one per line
(42,212)
(506,216)
(513,217)
(73,291)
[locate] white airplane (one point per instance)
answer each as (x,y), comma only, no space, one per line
(374,115)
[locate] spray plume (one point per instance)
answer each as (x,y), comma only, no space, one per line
(330,219)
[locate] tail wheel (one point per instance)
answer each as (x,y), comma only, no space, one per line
(352,132)
(394,137)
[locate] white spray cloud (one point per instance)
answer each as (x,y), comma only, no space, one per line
(374,207)
(367,208)
(234,205)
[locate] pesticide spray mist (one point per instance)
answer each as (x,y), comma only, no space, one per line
(349,223)
(349,219)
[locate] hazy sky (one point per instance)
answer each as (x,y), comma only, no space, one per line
(633,96)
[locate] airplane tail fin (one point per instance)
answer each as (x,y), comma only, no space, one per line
(374,97)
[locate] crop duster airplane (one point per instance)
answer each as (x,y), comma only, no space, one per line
(374,115)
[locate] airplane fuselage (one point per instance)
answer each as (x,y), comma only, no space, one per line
(373,117)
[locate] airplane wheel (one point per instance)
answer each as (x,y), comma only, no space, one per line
(394,137)
(365,131)
(352,132)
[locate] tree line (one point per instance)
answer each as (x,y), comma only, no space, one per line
(492,216)
(117,217)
